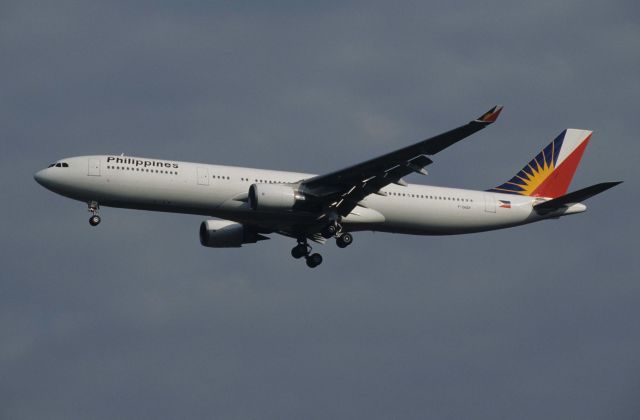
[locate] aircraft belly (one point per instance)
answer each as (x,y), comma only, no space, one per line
(159,194)
(447,218)
(363,216)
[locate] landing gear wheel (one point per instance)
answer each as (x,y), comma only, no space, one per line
(299,251)
(314,260)
(304,250)
(329,231)
(94,220)
(344,240)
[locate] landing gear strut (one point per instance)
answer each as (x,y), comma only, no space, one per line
(94,209)
(303,249)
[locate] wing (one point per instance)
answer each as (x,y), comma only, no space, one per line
(342,190)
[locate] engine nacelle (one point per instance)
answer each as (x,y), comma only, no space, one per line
(226,234)
(273,197)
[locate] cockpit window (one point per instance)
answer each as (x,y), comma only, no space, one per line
(60,165)
(53,164)
(65,165)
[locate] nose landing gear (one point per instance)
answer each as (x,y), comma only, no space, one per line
(94,209)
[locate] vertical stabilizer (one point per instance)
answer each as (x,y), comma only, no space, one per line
(551,171)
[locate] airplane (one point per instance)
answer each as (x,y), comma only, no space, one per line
(249,203)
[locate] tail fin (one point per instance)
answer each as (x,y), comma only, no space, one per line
(551,171)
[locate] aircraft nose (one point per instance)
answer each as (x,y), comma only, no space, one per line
(41,177)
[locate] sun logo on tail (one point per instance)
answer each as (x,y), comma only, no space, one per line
(530,178)
(550,172)
(535,173)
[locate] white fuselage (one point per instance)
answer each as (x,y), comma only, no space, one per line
(221,191)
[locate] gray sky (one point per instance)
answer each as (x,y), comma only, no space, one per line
(135,319)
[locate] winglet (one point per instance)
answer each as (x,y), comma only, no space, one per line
(491,115)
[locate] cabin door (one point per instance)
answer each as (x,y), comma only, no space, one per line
(203,176)
(94,167)
(489,203)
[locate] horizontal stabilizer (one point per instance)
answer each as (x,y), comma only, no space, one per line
(574,197)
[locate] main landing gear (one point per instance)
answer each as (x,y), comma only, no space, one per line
(94,209)
(303,249)
(334,230)
(330,231)
(344,240)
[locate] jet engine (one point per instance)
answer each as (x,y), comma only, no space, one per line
(273,197)
(227,234)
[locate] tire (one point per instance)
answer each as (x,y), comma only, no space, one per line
(314,260)
(344,240)
(329,231)
(94,220)
(298,251)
